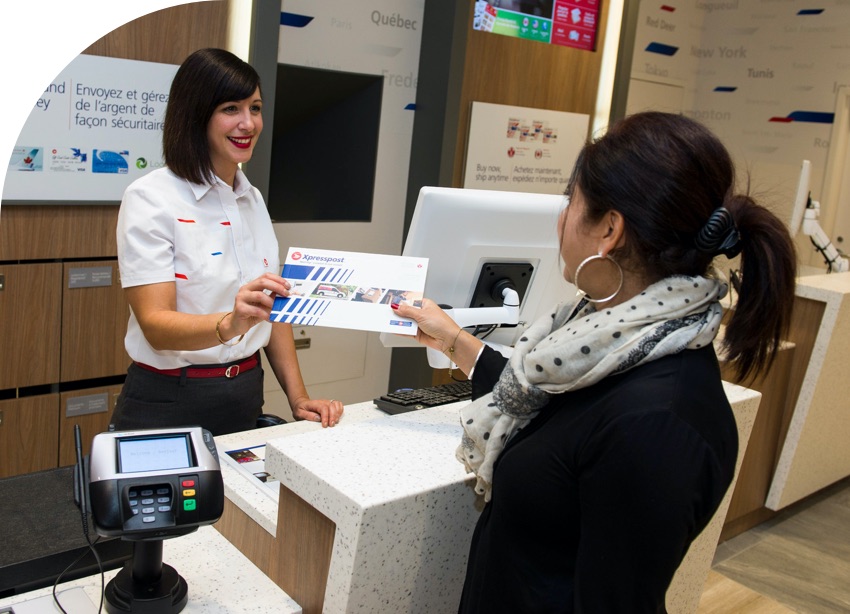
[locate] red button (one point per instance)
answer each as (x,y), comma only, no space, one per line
(188,483)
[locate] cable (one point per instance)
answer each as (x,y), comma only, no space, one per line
(71,565)
(81,499)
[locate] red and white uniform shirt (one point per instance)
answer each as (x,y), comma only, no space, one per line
(209,240)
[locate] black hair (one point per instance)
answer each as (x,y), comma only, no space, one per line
(205,79)
(666,175)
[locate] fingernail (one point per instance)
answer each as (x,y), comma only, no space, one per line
(394,305)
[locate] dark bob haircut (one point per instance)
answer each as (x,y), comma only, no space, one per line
(205,79)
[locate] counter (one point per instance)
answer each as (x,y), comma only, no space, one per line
(815,449)
(391,512)
(221,580)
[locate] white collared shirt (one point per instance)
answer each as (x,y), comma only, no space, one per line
(209,240)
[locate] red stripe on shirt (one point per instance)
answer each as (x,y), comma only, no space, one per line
(225,223)
(186,221)
(180,276)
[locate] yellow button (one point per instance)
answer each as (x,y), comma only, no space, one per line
(189,492)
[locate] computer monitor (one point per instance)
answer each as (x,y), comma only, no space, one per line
(480,241)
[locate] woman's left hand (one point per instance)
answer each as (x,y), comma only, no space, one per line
(328,412)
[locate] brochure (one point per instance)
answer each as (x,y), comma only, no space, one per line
(252,461)
(350,290)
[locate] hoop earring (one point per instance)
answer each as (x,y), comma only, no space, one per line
(581,266)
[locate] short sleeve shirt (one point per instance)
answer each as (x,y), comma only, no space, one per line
(208,240)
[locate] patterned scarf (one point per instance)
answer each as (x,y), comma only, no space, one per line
(577,346)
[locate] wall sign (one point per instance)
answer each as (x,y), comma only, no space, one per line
(96,128)
(568,23)
(519,149)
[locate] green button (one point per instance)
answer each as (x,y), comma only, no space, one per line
(189,505)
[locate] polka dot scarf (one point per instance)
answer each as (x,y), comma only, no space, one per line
(577,346)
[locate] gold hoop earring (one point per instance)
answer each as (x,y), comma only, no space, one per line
(581,266)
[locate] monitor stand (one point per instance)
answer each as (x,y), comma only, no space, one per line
(145,585)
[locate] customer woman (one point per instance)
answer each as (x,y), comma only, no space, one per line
(606,442)
(199,263)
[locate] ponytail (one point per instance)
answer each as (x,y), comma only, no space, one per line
(762,314)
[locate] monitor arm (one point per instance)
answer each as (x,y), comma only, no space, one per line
(467,317)
(835,261)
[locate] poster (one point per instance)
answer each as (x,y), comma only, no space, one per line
(519,149)
(96,128)
(568,23)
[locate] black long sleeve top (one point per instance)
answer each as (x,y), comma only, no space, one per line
(595,502)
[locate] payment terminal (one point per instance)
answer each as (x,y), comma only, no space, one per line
(146,486)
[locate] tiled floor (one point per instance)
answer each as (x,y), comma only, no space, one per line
(799,559)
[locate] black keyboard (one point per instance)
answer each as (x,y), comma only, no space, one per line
(409,399)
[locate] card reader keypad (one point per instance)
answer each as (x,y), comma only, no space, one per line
(152,503)
(163,504)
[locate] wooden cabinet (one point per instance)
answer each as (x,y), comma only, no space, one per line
(57,328)
(91,409)
(29,434)
(94,321)
(30,317)
(61,325)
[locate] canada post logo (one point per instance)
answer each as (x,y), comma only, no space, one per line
(325,259)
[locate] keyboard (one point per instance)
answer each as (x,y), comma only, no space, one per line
(409,399)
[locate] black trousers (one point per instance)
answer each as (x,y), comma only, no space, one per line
(219,404)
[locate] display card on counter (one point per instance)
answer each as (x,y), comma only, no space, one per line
(251,461)
(349,290)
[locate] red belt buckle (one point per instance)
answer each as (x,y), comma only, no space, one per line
(230,373)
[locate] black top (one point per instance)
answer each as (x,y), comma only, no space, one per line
(595,502)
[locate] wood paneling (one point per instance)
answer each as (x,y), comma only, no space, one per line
(90,424)
(805,322)
(512,71)
(30,308)
(29,433)
(250,538)
(31,314)
(298,558)
(746,508)
(94,322)
(780,388)
(303,557)
(40,232)
(48,232)
(169,35)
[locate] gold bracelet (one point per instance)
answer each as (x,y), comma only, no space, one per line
(452,351)
(218,331)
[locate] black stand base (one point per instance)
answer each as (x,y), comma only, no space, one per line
(169,595)
(145,585)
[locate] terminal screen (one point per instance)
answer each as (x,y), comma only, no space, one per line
(136,454)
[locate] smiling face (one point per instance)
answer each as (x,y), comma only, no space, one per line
(232,132)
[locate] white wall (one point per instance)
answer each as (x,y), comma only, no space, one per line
(751,70)
(381,37)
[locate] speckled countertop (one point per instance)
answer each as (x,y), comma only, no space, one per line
(251,496)
(403,506)
(220,579)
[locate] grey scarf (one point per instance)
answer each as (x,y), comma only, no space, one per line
(577,346)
